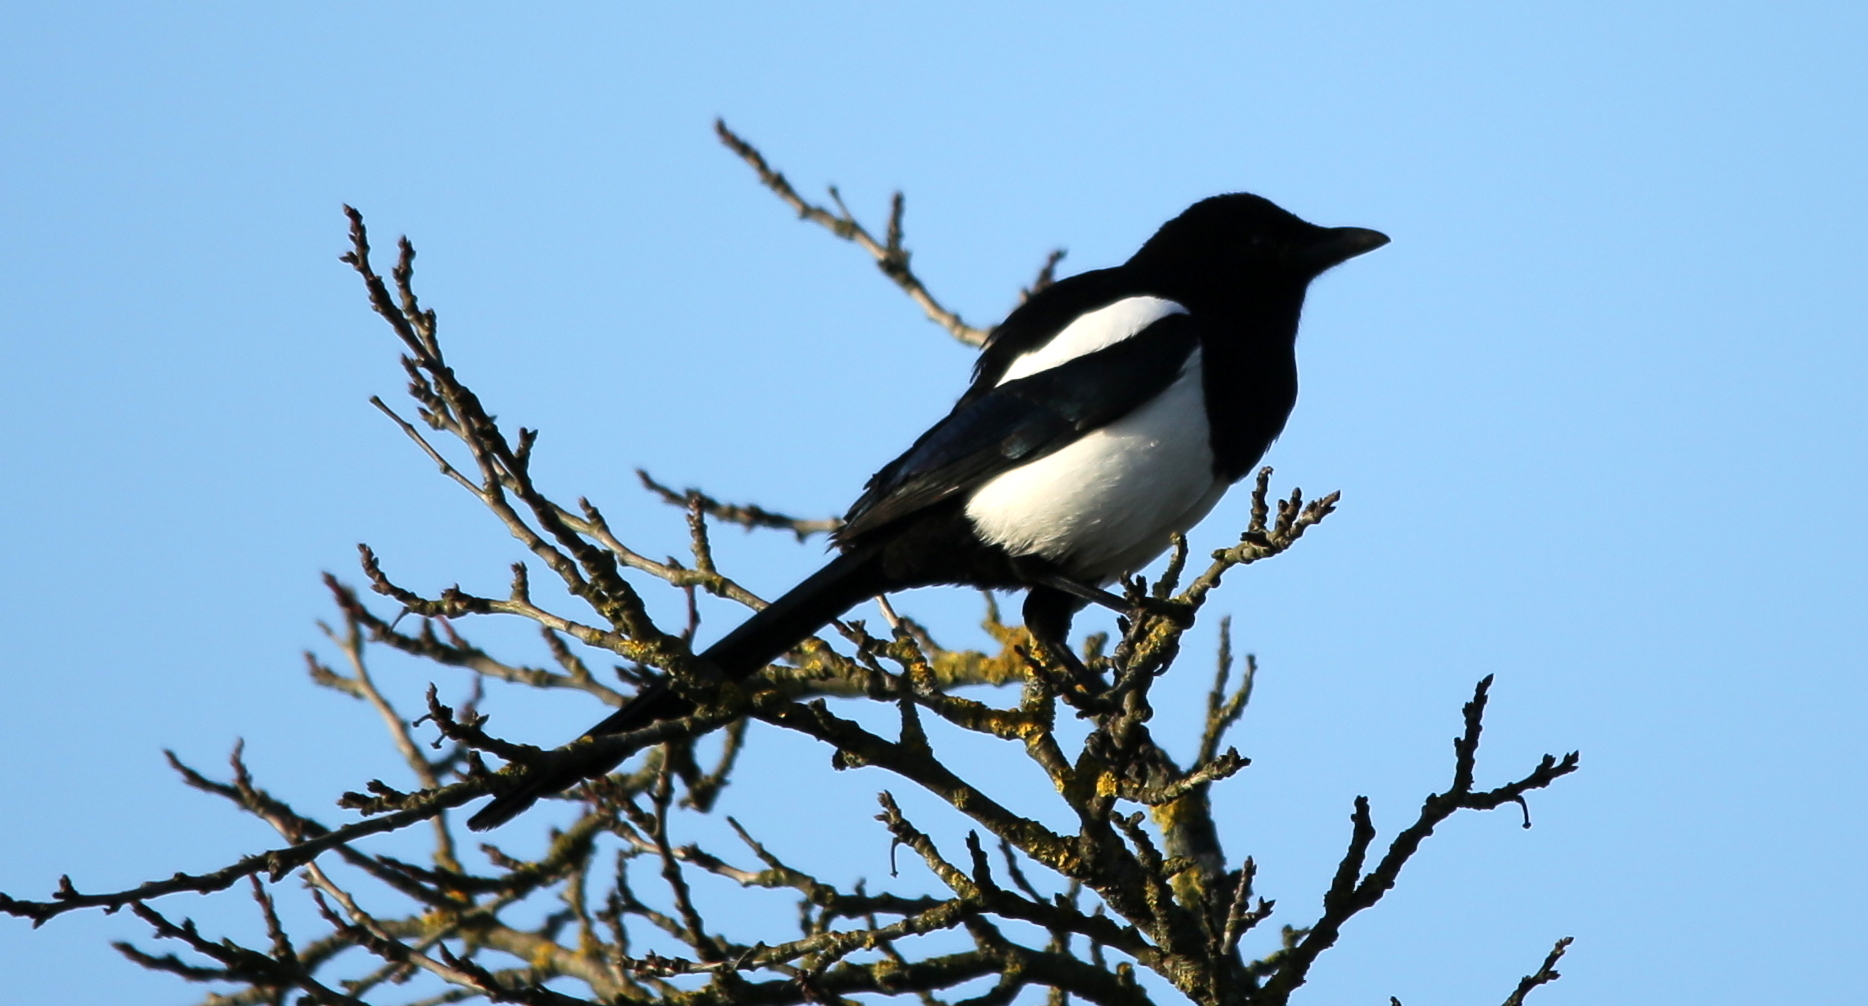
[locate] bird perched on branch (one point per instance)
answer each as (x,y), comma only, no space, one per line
(1107,413)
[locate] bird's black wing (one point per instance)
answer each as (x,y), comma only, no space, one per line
(1020,421)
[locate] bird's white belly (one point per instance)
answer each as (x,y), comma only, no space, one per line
(1107,504)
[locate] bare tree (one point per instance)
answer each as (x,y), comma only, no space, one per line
(610,912)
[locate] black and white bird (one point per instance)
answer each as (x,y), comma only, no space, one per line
(1108,413)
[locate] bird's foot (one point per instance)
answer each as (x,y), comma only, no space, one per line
(1180,613)
(1132,607)
(1077,678)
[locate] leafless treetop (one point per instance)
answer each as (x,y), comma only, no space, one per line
(1139,883)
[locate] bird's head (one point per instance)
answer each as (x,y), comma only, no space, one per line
(1240,243)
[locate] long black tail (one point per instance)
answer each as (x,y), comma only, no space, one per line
(846,580)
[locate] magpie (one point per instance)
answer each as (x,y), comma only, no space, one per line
(1107,413)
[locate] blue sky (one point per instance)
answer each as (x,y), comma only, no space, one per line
(1597,414)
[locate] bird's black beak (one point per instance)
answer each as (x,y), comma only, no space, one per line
(1335,245)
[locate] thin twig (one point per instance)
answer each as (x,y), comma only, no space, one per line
(889,254)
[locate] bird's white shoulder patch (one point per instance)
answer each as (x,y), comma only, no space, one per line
(1095,330)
